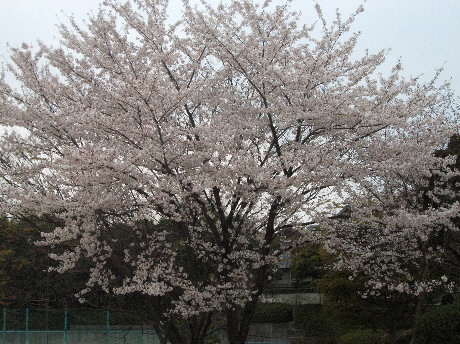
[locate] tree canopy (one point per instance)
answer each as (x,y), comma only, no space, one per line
(236,123)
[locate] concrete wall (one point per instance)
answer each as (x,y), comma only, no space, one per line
(294,298)
(283,333)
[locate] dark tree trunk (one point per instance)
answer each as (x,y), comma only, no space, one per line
(238,322)
(419,311)
(239,319)
(175,330)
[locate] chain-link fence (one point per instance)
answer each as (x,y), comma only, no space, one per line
(50,326)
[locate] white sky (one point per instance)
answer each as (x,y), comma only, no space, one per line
(424,33)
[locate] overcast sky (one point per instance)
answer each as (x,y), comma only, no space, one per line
(424,33)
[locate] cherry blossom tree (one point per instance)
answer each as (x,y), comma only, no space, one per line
(397,239)
(236,123)
(406,239)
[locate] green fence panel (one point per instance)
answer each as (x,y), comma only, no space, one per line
(50,326)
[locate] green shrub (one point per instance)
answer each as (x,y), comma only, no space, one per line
(363,336)
(273,313)
(439,325)
(403,337)
(313,320)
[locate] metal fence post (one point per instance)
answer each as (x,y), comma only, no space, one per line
(4,325)
(107,328)
(27,325)
(65,327)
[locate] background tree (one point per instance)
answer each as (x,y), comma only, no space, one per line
(26,280)
(448,239)
(344,311)
(439,325)
(389,313)
(413,253)
(21,267)
(308,263)
(235,123)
